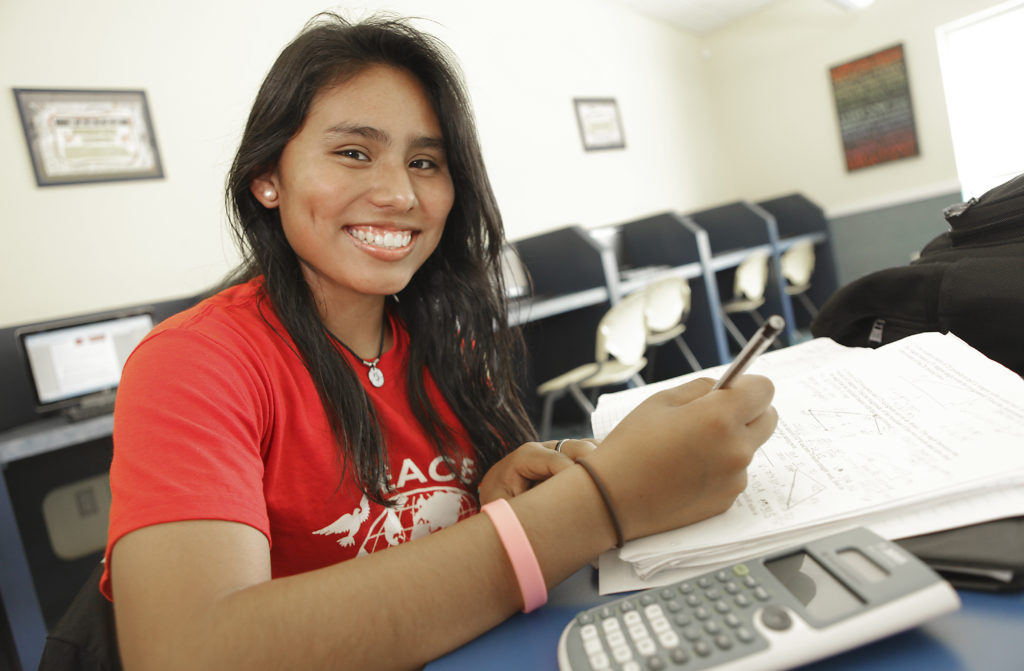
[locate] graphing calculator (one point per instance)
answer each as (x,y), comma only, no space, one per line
(775,612)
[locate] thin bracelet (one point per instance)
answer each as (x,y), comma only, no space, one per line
(520,553)
(607,500)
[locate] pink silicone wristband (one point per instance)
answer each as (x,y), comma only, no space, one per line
(520,553)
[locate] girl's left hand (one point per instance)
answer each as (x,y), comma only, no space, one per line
(529,464)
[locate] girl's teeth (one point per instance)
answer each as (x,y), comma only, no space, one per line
(389,240)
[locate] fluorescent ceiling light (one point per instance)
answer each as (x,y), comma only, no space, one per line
(853,5)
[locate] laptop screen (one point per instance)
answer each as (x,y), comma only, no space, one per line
(71,361)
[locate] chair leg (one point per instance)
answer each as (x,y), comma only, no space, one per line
(651,354)
(582,399)
(730,326)
(808,305)
(546,415)
(688,353)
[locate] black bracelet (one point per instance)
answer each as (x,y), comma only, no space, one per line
(607,500)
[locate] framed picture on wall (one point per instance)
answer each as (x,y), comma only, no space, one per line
(78,136)
(600,126)
(876,118)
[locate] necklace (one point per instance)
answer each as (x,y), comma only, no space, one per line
(376,377)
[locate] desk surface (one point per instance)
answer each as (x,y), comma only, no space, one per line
(986,633)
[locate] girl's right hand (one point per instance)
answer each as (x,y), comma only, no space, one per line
(681,456)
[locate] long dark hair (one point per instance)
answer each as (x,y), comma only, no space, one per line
(454,307)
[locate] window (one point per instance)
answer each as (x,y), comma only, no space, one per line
(980,57)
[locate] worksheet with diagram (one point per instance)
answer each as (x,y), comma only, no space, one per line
(862,434)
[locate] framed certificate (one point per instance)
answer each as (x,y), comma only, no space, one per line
(599,122)
(88,136)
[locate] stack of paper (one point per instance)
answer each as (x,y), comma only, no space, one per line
(920,435)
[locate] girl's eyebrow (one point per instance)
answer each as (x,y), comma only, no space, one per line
(381,137)
(368,132)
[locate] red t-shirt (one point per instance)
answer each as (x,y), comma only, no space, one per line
(217,418)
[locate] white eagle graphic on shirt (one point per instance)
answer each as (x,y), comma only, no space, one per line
(416,513)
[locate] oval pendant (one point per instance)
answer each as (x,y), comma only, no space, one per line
(376,377)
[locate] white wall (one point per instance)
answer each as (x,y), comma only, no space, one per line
(772,93)
(755,120)
(80,248)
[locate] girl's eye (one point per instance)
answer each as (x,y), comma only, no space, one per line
(423,164)
(353,154)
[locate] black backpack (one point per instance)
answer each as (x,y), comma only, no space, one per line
(968,281)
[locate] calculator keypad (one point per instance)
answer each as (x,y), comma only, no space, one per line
(691,624)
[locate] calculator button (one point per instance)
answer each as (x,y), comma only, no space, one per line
(632,617)
(622,653)
(593,647)
(627,606)
(776,618)
(722,576)
(744,635)
(742,600)
(691,633)
(654,610)
(702,613)
(668,639)
(740,570)
(610,626)
(655,664)
(704,581)
(702,648)
(722,607)
(732,620)
(762,594)
(638,631)
(750,581)
(682,619)
(585,618)
(600,662)
(685,587)
(631,666)
(673,606)
(661,625)
(731,588)
(723,642)
(692,600)
(713,627)
(646,647)
(713,594)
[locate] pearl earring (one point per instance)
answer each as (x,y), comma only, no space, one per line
(269,193)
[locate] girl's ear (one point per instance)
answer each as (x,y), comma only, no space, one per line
(264,188)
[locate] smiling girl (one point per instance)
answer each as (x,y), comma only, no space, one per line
(299,460)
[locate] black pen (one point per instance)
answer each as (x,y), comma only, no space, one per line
(762,339)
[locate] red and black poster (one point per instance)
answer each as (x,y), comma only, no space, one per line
(876,118)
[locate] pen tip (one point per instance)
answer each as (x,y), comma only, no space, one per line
(776,323)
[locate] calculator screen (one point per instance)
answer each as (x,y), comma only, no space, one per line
(818,590)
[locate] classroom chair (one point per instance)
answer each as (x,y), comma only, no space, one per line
(797,266)
(666,309)
(84,639)
(618,359)
(749,285)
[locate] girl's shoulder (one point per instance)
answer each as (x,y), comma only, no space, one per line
(238,320)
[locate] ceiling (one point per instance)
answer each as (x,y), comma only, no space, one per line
(697,16)
(705,16)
